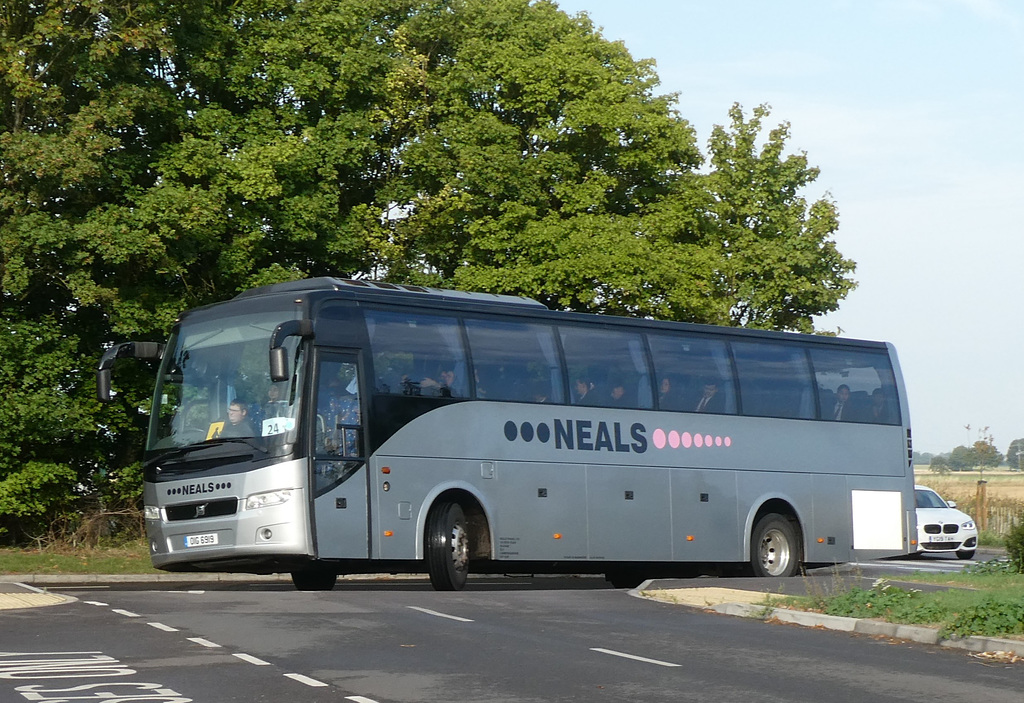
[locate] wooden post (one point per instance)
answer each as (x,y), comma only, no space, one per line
(982,505)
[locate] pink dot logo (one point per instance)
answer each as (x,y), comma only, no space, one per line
(673,439)
(718,441)
(687,440)
(728,441)
(659,438)
(698,440)
(708,440)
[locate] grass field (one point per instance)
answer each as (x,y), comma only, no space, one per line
(959,485)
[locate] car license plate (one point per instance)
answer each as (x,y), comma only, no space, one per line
(943,538)
(206,540)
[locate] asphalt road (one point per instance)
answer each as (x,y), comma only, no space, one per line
(515,640)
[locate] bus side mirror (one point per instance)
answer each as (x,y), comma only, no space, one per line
(136,350)
(278,354)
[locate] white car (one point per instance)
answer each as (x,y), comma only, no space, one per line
(941,527)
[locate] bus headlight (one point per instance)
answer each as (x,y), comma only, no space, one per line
(151,512)
(265,500)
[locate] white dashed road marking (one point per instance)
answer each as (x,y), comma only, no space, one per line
(126,613)
(305,679)
(205,643)
(632,656)
(251,659)
(161,626)
(437,614)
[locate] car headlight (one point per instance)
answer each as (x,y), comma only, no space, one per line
(969,525)
(151,512)
(265,500)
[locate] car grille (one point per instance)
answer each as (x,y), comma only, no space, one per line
(935,529)
(197,511)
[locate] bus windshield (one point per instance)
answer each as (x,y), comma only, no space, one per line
(214,387)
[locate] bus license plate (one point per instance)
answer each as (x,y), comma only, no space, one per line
(201,540)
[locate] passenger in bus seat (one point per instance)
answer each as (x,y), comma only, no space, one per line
(880,411)
(274,406)
(617,398)
(841,409)
(710,401)
(582,388)
(441,387)
(665,394)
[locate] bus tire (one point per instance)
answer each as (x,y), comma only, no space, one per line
(625,578)
(314,580)
(447,547)
(775,547)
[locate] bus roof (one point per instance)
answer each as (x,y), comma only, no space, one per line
(425,297)
(327,283)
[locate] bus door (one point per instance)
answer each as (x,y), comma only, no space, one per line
(340,483)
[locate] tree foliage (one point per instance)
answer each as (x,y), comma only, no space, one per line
(1015,454)
(157,155)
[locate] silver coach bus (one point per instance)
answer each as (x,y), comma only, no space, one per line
(333,426)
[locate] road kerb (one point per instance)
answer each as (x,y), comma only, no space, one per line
(756,605)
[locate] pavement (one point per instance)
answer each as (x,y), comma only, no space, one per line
(743,597)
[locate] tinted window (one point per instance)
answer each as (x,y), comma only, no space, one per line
(607,368)
(692,373)
(417,354)
(515,361)
(855,386)
(774,379)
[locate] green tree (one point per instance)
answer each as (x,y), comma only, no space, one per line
(161,154)
(962,459)
(984,451)
(1015,454)
(778,264)
(939,464)
(80,120)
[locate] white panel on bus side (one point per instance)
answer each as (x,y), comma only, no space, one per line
(877,519)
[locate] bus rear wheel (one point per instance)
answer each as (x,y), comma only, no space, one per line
(775,547)
(447,547)
(314,580)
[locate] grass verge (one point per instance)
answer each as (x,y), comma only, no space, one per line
(130,558)
(987,600)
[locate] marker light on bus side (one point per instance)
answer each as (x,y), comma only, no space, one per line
(265,500)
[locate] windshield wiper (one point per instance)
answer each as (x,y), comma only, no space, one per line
(181,454)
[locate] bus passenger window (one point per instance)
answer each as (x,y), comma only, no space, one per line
(607,368)
(775,380)
(515,361)
(855,386)
(416,354)
(694,374)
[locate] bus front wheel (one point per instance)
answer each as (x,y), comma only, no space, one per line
(775,547)
(447,547)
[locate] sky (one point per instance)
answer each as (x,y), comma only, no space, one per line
(914,112)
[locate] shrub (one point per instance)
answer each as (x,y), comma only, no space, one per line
(1015,546)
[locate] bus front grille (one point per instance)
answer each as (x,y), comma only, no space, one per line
(197,511)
